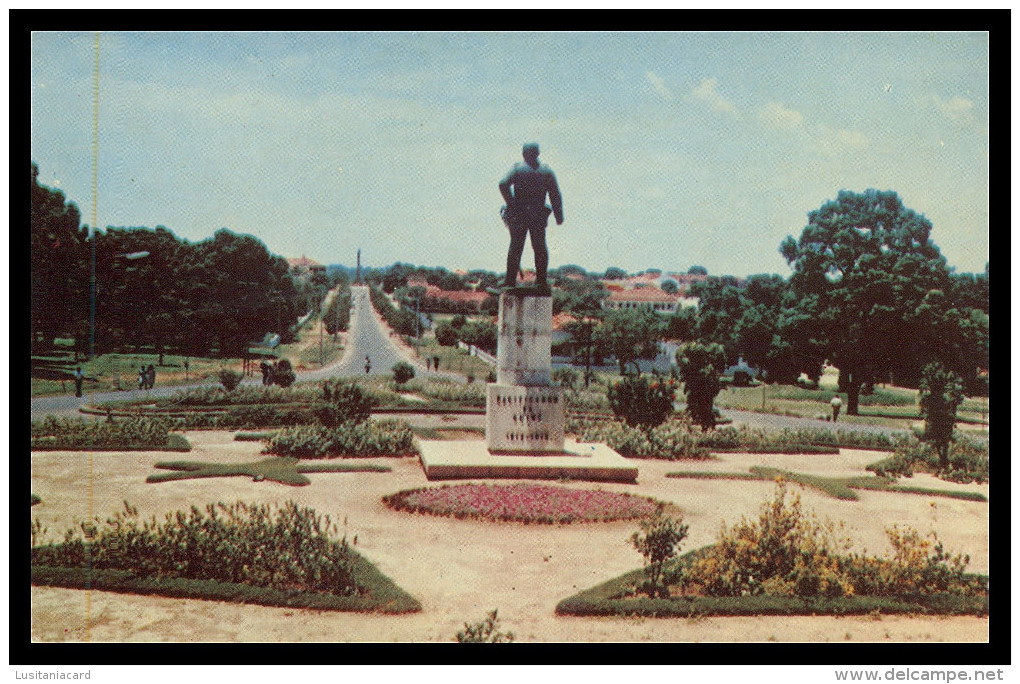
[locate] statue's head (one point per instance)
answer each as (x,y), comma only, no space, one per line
(530,152)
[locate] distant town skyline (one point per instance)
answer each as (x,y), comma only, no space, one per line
(671,149)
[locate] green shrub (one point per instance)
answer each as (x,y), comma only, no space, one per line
(284,375)
(640,402)
(671,441)
(281,547)
(787,552)
(403,372)
(658,541)
(362,440)
(230,378)
(484,632)
(967,461)
(452,392)
(53,433)
(343,402)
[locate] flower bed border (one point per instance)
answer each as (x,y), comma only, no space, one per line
(395,501)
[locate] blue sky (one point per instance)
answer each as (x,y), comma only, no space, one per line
(671,149)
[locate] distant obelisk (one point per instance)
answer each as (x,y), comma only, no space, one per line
(357,279)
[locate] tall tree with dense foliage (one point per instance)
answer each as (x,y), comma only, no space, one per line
(700,367)
(629,335)
(862,267)
(58,268)
(941,394)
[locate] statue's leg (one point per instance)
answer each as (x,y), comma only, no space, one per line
(513,257)
(541,252)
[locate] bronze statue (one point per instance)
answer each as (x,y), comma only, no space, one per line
(525,188)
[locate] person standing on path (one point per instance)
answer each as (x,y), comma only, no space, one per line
(836,403)
(79,378)
(524,189)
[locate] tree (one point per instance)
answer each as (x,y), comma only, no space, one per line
(941,394)
(697,270)
(58,269)
(669,286)
(720,307)
(447,335)
(403,372)
(700,366)
(482,334)
(862,267)
(579,297)
(629,335)
(614,273)
(658,541)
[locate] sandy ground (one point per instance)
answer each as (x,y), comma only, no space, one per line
(460,569)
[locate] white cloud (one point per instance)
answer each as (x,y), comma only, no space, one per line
(836,142)
(659,86)
(775,115)
(706,92)
(957,109)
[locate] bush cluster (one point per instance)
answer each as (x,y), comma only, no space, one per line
(671,441)
(452,392)
(968,461)
(641,402)
(286,547)
(343,402)
(786,552)
(349,440)
(248,394)
(53,433)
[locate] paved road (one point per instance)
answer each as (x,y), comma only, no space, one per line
(367,336)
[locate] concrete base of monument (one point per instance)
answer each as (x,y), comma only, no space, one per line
(459,460)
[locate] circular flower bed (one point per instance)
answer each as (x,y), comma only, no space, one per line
(522,502)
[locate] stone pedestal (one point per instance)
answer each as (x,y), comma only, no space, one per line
(524,412)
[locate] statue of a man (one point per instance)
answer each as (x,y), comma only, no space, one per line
(525,189)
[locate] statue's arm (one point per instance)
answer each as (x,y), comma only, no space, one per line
(555,198)
(504,188)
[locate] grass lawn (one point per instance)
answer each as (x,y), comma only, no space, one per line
(836,487)
(111,372)
(454,359)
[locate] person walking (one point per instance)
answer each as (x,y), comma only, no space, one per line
(525,189)
(150,376)
(141,377)
(836,404)
(79,378)
(368,365)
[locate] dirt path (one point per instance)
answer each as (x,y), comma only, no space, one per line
(459,570)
